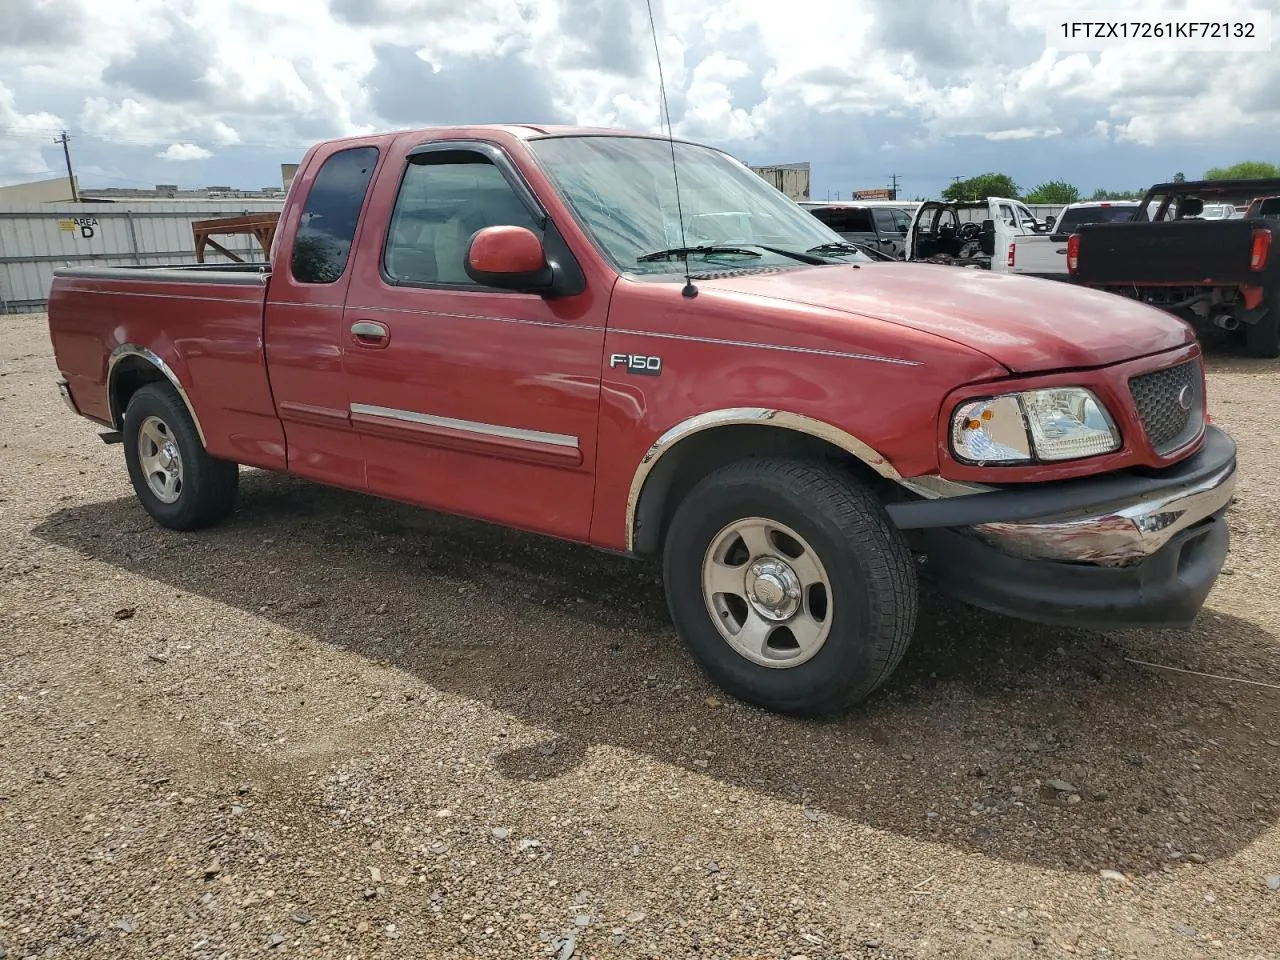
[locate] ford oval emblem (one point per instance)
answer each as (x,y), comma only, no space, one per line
(1184,398)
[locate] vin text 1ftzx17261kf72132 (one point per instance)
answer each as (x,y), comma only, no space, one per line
(496,322)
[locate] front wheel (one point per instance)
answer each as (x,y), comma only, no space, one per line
(175,479)
(790,585)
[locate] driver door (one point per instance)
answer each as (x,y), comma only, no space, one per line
(468,399)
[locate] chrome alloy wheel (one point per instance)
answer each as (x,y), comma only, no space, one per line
(160,459)
(767,592)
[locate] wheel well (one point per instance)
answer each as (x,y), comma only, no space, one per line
(129,376)
(693,458)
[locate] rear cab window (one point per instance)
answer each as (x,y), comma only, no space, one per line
(331,215)
(846,220)
(1079,217)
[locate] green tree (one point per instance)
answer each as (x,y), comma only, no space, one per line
(1179,177)
(981,187)
(1103,194)
(1053,191)
(1246,170)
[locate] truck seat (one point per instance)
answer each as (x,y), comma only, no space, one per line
(411,253)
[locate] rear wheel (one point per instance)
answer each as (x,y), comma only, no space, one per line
(175,479)
(790,585)
(1262,339)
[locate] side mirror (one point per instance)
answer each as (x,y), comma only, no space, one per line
(508,257)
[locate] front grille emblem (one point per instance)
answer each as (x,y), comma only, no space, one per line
(1184,399)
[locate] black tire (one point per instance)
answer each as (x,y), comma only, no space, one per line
(869,566)
(1262,339)
(207,492)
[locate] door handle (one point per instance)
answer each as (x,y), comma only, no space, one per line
(370,333)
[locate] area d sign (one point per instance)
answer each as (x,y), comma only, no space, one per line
(86,225)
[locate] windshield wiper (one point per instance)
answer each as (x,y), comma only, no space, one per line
(802,256)
(705,249)
(845,246)
(835,246)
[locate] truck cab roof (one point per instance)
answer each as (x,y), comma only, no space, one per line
(521,131)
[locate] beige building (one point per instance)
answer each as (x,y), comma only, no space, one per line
(791,178)
(57,190)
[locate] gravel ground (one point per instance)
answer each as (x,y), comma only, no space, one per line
(337,727)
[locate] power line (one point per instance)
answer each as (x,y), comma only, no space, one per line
(66,152)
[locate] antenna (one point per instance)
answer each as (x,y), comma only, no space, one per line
(689,290)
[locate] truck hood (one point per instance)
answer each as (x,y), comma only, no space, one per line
(1026,324)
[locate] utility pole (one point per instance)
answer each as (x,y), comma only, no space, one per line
(893,186)
(64,139)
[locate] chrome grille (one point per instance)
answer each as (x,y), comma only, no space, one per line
(1160,397)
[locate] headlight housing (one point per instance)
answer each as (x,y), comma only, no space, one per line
(1058,423)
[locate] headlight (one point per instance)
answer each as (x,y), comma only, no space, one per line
(1061,423)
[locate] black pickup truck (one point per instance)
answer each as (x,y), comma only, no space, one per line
(1214,274)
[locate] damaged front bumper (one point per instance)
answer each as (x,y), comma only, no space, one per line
(1118,550)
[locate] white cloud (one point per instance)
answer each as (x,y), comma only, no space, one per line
(22,135)
(242,77)
(184,151)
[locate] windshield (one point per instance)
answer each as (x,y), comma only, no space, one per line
(623,191)
(1083,215)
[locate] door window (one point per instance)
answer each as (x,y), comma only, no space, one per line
(884,220)
(444,199)
(330,216)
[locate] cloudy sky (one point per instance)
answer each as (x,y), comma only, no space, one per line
(223,91)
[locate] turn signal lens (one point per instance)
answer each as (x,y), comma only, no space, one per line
(990,431)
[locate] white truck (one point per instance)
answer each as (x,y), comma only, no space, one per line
(1002,235)
(977,234)
(1045,255)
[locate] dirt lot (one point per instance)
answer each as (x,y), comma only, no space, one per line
(335,727)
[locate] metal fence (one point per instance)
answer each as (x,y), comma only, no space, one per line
(37,238)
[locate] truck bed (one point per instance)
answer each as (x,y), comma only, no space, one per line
(1186,252)
(1040,255)
(109,323)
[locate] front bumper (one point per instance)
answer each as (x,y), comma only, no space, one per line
(1114,551)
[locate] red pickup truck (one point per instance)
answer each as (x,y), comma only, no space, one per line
(527,325)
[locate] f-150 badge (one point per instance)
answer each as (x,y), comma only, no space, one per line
(637,364)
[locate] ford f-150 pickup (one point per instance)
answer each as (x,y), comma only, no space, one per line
(1219,274)
(531,326)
